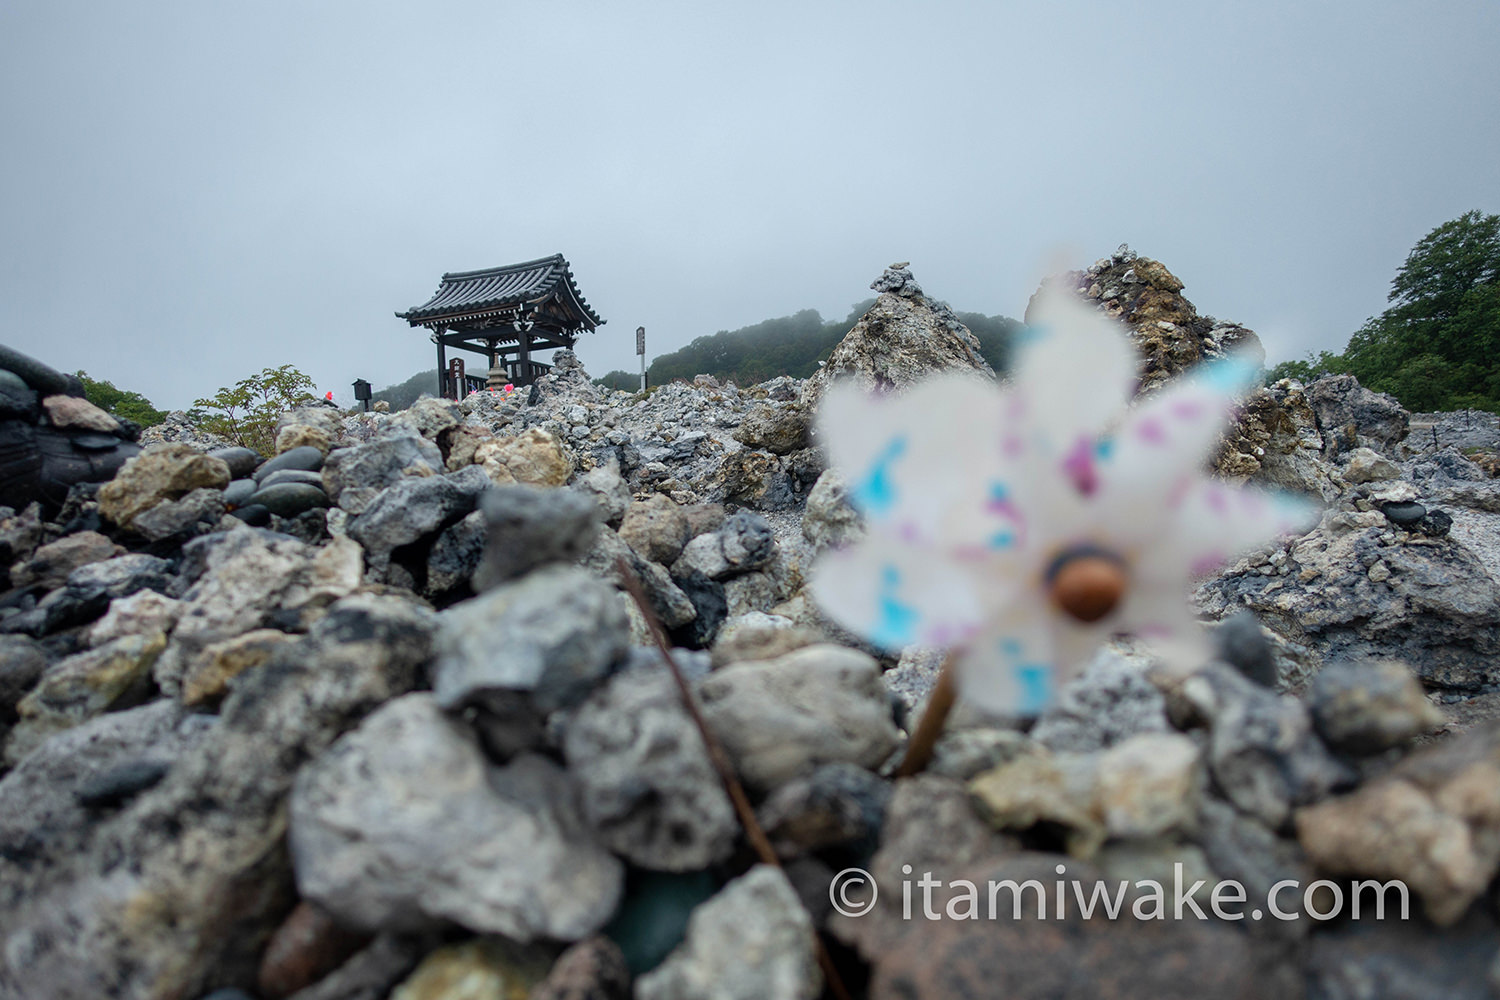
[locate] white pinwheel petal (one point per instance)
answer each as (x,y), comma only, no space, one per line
(1208,524)
(1012,667)
(927,462)
(894,593)
(1075,370)
(1166,440)
(1165,621)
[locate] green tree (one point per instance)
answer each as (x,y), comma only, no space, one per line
(120,402)
(246,414)
(1437,347)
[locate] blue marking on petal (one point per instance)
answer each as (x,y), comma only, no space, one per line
(875,494)
(1031,334)
(998,492)
(1228,375)
(898,622)
(1002,540)
(1011,647)
(1034,681)
(1103,448)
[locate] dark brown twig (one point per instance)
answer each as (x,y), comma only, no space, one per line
(721,762)
(939,704)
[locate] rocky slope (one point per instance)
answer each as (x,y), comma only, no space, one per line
(373,717)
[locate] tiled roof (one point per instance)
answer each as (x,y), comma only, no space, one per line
(471,294)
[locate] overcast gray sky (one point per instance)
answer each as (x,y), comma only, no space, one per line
(191,192)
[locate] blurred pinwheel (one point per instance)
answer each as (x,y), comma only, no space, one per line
(1022,525)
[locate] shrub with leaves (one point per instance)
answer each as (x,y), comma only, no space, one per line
(120,402)
(246,414)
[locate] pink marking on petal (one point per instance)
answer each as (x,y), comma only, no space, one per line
(1187,409)
(1079,467)
(1013,446)
(1154,632)
(1207,564)
(1216,501)
(1151,431)
(909,532)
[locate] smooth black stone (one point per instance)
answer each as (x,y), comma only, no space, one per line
(305,457)
(239,492)
(289,499)
(120,784)
(94,441)
(1404,513)
(305,476)
(241,461)
(253,514)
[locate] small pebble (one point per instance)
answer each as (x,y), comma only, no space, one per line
(120,784)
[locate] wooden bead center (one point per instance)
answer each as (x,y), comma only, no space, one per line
(1087,585)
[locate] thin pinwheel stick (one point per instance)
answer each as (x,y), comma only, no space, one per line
(939,704)
(721,762)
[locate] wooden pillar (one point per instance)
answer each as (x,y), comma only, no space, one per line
(523,357)
(442,366)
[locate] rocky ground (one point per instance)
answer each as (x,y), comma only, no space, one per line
(374,718)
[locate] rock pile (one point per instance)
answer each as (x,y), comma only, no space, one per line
(372,718)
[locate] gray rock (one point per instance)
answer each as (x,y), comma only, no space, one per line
(782,718)
(744,542)
(929,827)
(40,801)
(830,520)
(305,458)
(1364,465)
(1395,959)
(608,490)
(1240,642)
(22,661)
(1364,708)
(247,576)
(836,806)
(207,845)
(1242,848)
(428,417)
(759,636)
(403,824)
(1262,751)
(776,428)
(79,687)
(752,941)
(672,606)
(52,563)
(1351,416)
(455,555)
(193,514)
(656,528)
(530,526)
(353,477)
(1356,588)
(1111,701)
(555,633)
(122,575)
(412,509)
(647,786)
(904,337)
